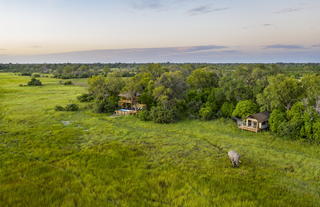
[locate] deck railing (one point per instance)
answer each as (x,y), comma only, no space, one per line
(251,129)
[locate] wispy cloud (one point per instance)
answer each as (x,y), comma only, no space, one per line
(3,49)
(317,45)
(288,10)
(148,4)
(205,10)
(201,48)
(267,25)
(281,46)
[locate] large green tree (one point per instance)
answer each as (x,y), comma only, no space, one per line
(245,108)
(203,78)
(281,93)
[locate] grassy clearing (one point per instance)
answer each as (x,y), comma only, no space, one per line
(98,160)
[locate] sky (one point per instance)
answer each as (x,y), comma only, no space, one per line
(217,31)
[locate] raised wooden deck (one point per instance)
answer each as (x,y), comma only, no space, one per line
(251,129)
(125,113)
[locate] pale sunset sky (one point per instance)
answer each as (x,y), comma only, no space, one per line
(38,31)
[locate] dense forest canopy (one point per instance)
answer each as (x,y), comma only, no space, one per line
(171,92)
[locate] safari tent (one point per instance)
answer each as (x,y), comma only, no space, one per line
(256,122)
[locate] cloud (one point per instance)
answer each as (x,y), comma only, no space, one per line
(288,10)
(280,46)
(3,49)
(148,4)
(204,10)
(318,45)
(201,48)
(267,25)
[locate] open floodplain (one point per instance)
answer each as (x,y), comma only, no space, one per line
(50,158)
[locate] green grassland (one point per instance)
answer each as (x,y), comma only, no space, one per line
(100,160)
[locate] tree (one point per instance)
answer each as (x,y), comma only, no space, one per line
(311,88)
(245,108)
(227,109)
(277,117)
(105,92)
(156,70)
(34,82)
(203,78)
(170,86)
(281,93)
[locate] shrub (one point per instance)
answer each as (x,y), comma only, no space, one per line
(245,108)
(25,74)
(206,113)
(106,105)
(34,82)
(144,115)
(227,109)
(163,115)
(85,98)
(72,107)
(66,83)
(59,108)
(290,129)
(35,75)
(316,131)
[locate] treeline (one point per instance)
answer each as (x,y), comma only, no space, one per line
(175,93)
(68,71)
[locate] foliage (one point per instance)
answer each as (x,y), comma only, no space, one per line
(227,110)
(245,108)
(34,82)
(163,115)
(72,107)
(144,115)
(105,92)
(59,108)
(66,83)
(86,97)
(281,93)
(203,78)
(311,88)
(277,117)
(206,113)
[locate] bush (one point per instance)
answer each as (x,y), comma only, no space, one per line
(227,109)
(144,115)
(35,75)
(316,131)
(163,115)
(72,107)
(25,74)
(107,105)
(290,129)
(66,83)
(206,113)
(85,98)
(59,108)
(34,82)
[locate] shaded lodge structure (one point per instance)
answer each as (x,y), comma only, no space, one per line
(255,123)
(129,104)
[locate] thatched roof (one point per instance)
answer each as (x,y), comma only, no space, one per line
(260,117)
